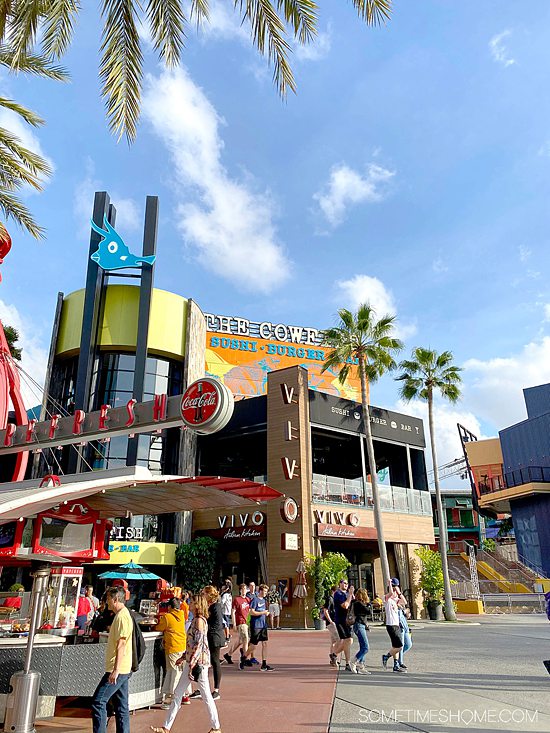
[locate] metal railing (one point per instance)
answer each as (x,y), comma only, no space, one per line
(356,492)
(527,603)
(530,474)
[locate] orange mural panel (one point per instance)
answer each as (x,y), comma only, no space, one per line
(244,362)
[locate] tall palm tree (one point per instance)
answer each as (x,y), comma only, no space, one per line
(19,166)
(273,24)
(359,339)
(425,373)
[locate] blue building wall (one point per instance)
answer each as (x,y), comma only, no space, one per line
(531,518)
(526,444)
(537,400)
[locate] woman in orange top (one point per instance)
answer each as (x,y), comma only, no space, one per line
(172,624)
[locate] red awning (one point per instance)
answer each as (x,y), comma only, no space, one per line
(114,493)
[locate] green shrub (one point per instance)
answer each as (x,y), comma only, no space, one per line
(195,563)
(431,575)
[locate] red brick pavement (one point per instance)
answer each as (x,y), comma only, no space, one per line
(295,698)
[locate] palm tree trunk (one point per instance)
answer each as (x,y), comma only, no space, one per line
(449,607)
(374,479)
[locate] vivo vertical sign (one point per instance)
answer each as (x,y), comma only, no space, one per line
(112,252)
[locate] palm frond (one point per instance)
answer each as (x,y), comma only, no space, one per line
(269,37)
(200,10)
(23,24)
(11,145)
(5,14)
(121,67)
(58,28)
(301,15)
(28,115)
(12,208)
(167,21)
(32,63)
(374,12)
(427,371)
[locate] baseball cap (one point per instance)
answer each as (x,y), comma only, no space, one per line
(394,581)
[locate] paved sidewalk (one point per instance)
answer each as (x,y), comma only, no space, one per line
(296,697)
(478,678)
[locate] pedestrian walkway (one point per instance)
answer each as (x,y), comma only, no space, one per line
(294,698)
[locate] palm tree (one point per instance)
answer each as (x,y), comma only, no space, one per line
(363,341)
(425,373)
(273,24)
(19,166)
(12,336)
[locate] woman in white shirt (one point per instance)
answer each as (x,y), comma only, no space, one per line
(391,608)
(226,599)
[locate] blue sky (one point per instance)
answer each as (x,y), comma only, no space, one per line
(412,169)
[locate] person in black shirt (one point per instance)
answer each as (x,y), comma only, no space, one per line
(361,610)
(329,613)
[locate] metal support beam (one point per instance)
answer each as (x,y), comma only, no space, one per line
(145,299)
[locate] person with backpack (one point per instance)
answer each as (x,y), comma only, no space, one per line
(118,666)
(360,610)
(342,600)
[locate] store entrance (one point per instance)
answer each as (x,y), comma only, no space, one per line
(239,561)
(361,554)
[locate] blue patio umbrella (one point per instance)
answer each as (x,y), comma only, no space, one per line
(130,571)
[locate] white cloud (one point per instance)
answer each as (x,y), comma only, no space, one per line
(366,289)
(524,253)
(224,23)
(547,311)
(347,187)
(439,266)
(318,49)
(498,49)
(495,386)
(231,227)
(447,441)
(34,358)
(544,149)
(128,213)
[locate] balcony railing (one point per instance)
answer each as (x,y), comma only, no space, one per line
(531,474)
(354,492)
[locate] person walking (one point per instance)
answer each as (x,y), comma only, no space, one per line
(251,590)
(274,607)
(216,638)
(172,626)
(196,663)
(258,627)
(226,599)
(240,610)
(118,667)
(342,599)
(392,625)
(361,611)
(329,614)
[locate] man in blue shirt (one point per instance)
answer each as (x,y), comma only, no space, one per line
(342,599)
(258,626)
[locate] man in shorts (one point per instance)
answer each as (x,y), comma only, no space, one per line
(240,609)
(391,606)
(258,626)
(342,598)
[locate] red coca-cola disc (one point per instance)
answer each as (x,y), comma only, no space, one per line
(206,406)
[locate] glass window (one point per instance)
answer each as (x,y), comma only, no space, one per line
(61,536)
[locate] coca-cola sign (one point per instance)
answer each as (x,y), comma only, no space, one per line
(206,406)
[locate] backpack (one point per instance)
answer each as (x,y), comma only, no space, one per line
(138,644)
(350,616)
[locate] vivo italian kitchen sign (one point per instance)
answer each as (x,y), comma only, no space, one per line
(205,407)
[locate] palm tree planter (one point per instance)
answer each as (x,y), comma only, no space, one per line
(425,373)
(361,342)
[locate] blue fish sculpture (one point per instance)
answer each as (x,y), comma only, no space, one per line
(112,252)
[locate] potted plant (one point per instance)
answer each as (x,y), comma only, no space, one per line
(324,572)
(431,582)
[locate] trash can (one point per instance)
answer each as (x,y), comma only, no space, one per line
(22,702)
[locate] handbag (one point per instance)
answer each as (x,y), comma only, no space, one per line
(196,671)
(350,616)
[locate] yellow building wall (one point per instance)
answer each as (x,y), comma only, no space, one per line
(142,553)
(118,332)
(484,452)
